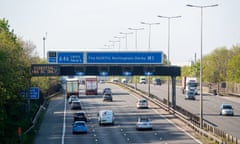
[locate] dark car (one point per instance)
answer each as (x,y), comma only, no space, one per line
(107,91)
(157,81)
(107,97)
(190,95)
(76,105)
(80,116)
(73,98)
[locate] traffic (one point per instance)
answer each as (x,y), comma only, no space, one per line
(128,118)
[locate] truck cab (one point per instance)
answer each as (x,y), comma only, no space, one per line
(189,84)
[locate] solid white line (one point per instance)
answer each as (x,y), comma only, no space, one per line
(174,124)
(64,120)
(179,128)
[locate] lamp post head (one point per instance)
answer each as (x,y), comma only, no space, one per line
(198,6)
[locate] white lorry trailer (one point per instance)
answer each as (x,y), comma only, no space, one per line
(72,87)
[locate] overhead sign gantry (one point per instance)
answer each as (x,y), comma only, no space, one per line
(97,63)
(107,63)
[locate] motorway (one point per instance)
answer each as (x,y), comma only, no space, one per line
(57,122)
(211,107)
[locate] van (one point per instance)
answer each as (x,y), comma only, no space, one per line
(106,117)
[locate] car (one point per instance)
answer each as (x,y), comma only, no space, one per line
(79,127)
(107,91)
(101,81)
(142,103)
(106,117)
(190,94)
(226,109)
(73,98)
(80,116)
(142,80)
(124,81)
(157,81)
(107,97)
(144,123)
(76,105)
(115,80)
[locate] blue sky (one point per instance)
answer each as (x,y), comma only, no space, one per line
(88,25)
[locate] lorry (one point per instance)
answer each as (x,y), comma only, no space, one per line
(91,84)
(189,84)
(72,87)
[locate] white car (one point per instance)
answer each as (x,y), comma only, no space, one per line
(226,109)
(142,103)
(144,123)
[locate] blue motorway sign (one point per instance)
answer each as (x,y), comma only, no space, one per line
(34,93)
(70,57)
(52,59)
(124,58)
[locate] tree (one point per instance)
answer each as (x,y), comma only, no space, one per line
(233,71)
(215,65)
(14,72)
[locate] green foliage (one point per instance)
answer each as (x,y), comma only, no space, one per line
(220,65)
(233,71)
(16,57)
(215,65)
(192,70)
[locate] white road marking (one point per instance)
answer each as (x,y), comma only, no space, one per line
(64,121)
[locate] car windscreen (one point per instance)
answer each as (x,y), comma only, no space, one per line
(227,107)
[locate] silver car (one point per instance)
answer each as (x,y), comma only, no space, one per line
(144,123)
(226,109)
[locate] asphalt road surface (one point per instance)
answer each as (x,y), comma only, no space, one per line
(57,123)
(211,107)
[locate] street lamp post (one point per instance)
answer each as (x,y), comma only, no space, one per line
(169,18)
(149,47)
(126,36)
(119,38)
(136,29)
(149,36)
(108,46)
(44,45)
(44,38)
(201,98)
(113,43)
